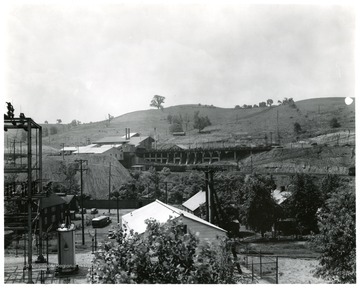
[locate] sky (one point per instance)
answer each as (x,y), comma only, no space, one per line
(84,62)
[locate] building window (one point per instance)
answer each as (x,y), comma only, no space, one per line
(53,209)
(46,220)
(53,218)
(45,210)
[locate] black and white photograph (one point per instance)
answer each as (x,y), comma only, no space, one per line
(179,142)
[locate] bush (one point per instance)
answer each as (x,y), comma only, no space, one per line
(334,123)
(163,254)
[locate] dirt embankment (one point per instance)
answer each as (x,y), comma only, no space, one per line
(95,178)
(314,160)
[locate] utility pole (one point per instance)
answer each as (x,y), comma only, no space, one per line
(63,146)
(277,121)
(81,161)
(109,185)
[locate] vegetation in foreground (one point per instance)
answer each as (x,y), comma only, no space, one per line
(162,255)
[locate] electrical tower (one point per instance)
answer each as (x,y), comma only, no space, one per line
(82,169)
(23,181)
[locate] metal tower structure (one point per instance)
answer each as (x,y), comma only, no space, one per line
(22,178)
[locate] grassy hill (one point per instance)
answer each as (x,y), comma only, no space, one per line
(313,115)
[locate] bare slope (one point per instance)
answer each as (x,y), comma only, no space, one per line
(95,179)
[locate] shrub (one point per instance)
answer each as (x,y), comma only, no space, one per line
(163,254)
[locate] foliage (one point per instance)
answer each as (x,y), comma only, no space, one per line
(58,121)
(177,124)
(269,102)
(304,202)
(337,238)
(297,128)
(200,122)
(53,130)
(70,184)
(163,254)
(262,104)
(157,102)
(334,123)
(259,210)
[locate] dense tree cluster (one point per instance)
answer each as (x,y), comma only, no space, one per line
(164,254)
(200,122)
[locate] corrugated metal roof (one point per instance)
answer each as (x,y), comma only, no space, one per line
(159,211)
(195,201)
(96,149)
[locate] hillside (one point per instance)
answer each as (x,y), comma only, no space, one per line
(95,179)
(228,125)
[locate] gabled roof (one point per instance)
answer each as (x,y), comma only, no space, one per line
(68,198)
(195,201)
(51,200)
(167,146)
(161,212)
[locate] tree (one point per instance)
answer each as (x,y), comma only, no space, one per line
(177,124)
(269,102)
(337,238)
(334,123)
(200,122)
(164,254)
(58,121)
(46,122)
(157,102)
(259,210)
(53,130)
(262,104)
(297,128)
(304,203)
(237,107)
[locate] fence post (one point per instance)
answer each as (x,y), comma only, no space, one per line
(277,270)
(252,270)
(260,265)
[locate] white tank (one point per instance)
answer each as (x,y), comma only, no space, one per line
(66,248)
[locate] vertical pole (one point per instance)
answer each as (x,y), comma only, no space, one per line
(207,195)
(82,203)
(260,265)
(95,240)
(277,270)
(117,208)
(166,192)
(252,270)
(29,203)
(109,184)
(47,253)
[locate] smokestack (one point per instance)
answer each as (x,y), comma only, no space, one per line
(129,133)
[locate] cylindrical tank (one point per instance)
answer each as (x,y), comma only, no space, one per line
(66,248)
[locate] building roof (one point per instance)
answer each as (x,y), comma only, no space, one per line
(195,201)
(161,212)
(280,196)
(137,140)
(51,200)
(68,198)
(72,148)
(111,140)
(167,146)
(96,149)
(134,134)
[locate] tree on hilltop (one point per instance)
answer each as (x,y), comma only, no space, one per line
(157,102)
(269,102)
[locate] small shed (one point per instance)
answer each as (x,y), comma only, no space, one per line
(162,212)
(193,204)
